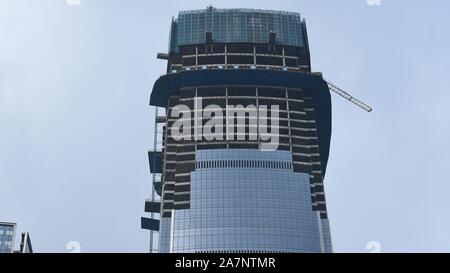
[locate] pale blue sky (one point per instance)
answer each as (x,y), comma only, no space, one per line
(75,123)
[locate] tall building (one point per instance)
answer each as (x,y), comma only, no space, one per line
(7,237)
(256,184)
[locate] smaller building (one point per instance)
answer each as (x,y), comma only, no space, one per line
(7,237)
(25,243)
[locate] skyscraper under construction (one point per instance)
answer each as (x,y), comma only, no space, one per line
(231,193)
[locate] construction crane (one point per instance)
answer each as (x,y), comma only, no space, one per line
(346,95)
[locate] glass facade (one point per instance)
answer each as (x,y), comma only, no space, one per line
(7,237)
(227,194)
(237,25)
(247,207)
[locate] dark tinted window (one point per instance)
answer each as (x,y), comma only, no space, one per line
(240,48)
(266,49)
(271,92)
(243,102)
(269,60)
(243,146)
(241,91)
(237,59)
(291,62)
(210,92)
(188,50)
(201,49)
(220,102)
(211,60)
(284,147)
(302,60)
(268,102)
(211,146)
(189,61)
(294,116)
(295,94)
(296,106)
(219,48)
(187,93)
(291,51)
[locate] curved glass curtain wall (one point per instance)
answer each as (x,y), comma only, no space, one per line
(244,208)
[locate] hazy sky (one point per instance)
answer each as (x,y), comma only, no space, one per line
(75,124)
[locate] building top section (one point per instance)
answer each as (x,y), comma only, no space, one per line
(7,224)
(237,26)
